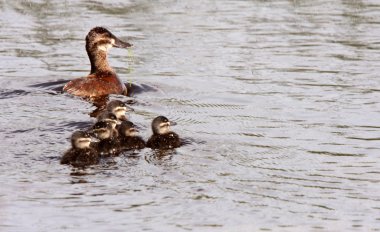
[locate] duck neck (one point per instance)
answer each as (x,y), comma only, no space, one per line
(99,63)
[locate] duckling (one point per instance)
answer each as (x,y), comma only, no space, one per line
(110,118)
(81,153)
(163,137)
(128,137)
(102,79)
(107,146)
(119,109)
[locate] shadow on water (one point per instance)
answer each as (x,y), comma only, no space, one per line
(6,93)
(107,165)
(132,88)
(75,125)
(100,103)
(158,157)
(52,85)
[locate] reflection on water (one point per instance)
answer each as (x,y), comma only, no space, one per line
(279,102)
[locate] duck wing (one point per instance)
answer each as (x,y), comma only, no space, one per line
(94,86)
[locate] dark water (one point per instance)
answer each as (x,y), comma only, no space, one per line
(280,100)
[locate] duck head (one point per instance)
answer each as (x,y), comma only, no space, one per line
(98,41)
(161,125)
(80,140)
(102,39)
(128,129)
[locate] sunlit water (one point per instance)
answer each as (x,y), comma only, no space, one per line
(280,101)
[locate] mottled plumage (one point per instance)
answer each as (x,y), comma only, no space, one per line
(128,137)
(164,141)
(163,137)
(107,145)
(81,153)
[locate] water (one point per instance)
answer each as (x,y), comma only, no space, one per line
(280,101)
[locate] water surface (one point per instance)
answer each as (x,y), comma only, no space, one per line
(280,101)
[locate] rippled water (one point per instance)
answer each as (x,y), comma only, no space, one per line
(280,101)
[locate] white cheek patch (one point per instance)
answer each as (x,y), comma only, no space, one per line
(104,135)
(112,122)
(104,47)
(164,128)
(82,144)
(132,133)
(120,111)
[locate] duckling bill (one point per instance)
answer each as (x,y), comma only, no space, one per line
(163,137)
(102,79)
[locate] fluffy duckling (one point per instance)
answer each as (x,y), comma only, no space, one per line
(119,109)
(107,145)
(128,137)
(163,137)
(111,119)
(81,153)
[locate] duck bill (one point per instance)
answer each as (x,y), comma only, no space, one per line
(121,44)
